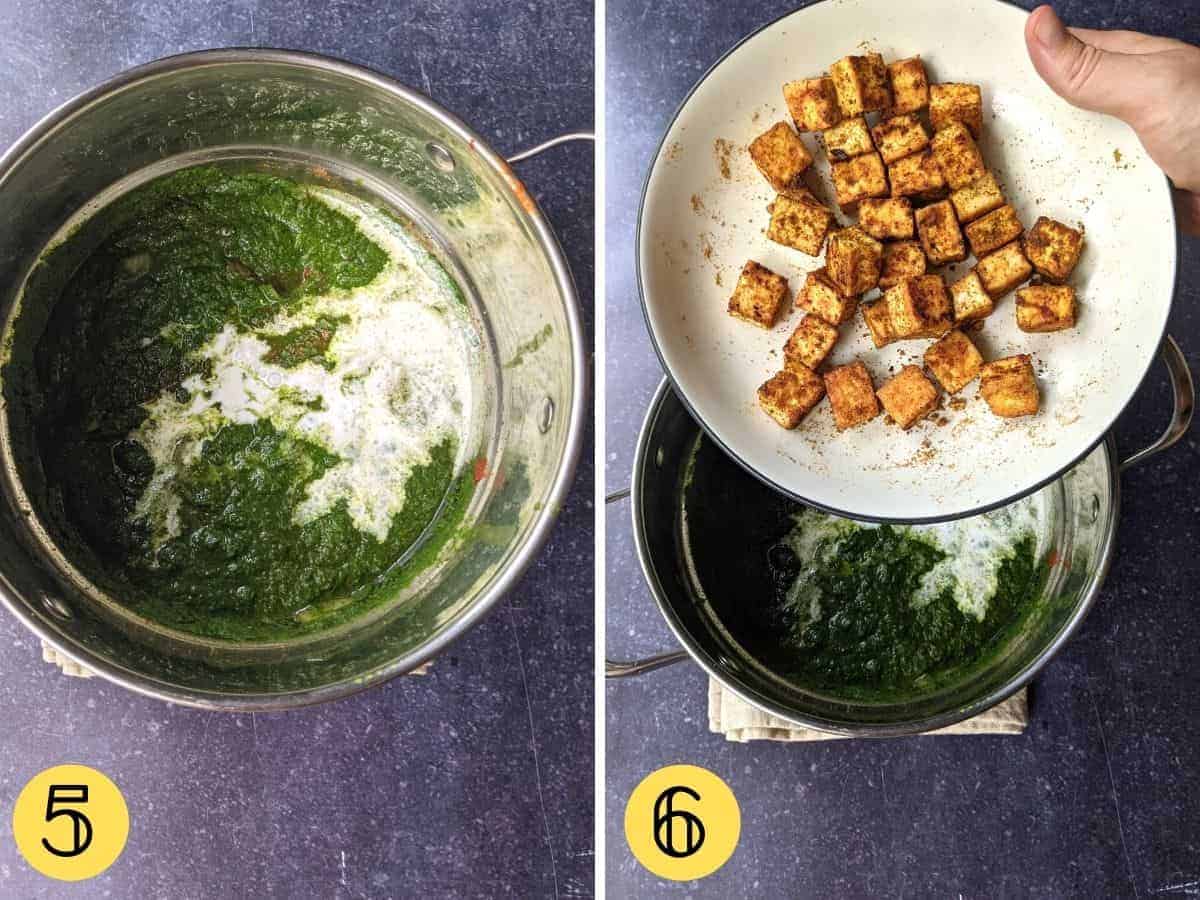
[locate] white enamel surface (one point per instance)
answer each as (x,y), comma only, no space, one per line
(699,227)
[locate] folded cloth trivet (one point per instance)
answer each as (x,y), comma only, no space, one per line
(730,715)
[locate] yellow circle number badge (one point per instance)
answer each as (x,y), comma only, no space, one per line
(70,822)
(682,822)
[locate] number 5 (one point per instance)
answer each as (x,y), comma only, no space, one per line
(61,795)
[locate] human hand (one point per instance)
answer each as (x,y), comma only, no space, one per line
(1150,83)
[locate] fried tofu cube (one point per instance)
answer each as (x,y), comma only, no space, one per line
(915,176)
(954,361)
(848,138)
(788,396)
(821,297)
(956,103)
(813,103)
(919,307)
(1046,307)
(879,323)
(910,86)
(889,219)
(780,155)
(851,394)
(908,396)
(861,83)
(1053,248)
(1004,269)
(1009,386)
(994,230)
(759,295)
(899,137)
(858,178)
(853,260)
(799,222)
(957,155)
(940,235)
(971,300)
(901,260)
(977,199)
(810,343)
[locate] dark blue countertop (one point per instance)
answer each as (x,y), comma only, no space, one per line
(472,781)
(1099,798)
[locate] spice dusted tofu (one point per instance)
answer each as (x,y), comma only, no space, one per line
(1053,248)
(954,361)
(901,260)
(910,85)
(800,222)
(780,155)
(1004,269)
(810,343)
(889,219)
(858,178)
(789,396)
(759,295)
(957,155)
(941,238)
(821,297)
(919,307)
(1009,387)
(1046,307)
(956,103)
(908,396)
(853,260)
(813,103)
(861,83)
(994,230)
(848,138)
(899,137)
(916,176)
(971,300)
(851,395)
(977,199)
(879,323)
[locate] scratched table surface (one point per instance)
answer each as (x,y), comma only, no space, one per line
(472,781)
(1099,798)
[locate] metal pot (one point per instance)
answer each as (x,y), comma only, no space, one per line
(325,120)
(718,628)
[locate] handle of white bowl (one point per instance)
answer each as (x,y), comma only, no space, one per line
(553,142)
(1183,393)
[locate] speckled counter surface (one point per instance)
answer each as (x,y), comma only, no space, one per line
(1101,796)
(473,781)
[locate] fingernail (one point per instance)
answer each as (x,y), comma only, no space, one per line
(1049,29)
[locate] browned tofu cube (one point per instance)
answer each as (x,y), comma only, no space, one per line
(1009,386)
(916,176)
(780,155)
(788,396)
(759,295)
(971,300)
(810,342)
(940,235)
(821,297)
(919,307)
(957,156)
(861,83)
(799,223)
(956,103)
(908,396)
(1002,270)
(853,260)
(954,361)
(879,323)
(901,260)
(858,178)
(850,137)
(899,137)
(994,230)
(1046,307)
(851,394)
(1053,248)
(978,198)
(910,86)
(813,103)
(887,220)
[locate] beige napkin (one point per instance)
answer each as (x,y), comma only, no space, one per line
(730,715)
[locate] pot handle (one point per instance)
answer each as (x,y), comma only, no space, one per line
(1183,395)
(553,142)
